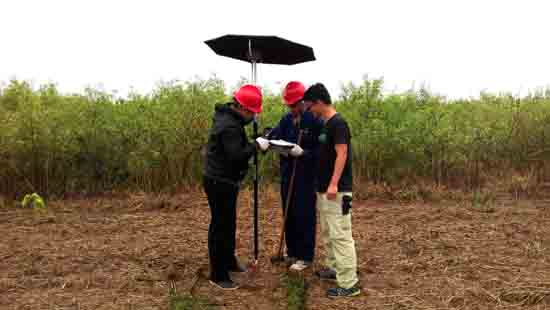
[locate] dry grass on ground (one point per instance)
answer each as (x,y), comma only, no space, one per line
(127,251)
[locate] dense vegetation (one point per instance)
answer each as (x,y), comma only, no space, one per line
(55,143)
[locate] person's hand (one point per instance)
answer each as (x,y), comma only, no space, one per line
(296,151)
(266,131)
(332,190)
(262,143)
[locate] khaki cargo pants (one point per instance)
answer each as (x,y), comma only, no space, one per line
(337,239)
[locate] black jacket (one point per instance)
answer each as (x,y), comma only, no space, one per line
(228,150)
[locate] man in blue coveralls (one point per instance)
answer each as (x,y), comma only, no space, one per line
(301,216)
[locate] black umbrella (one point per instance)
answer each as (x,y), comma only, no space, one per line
(260,49)
(264,49)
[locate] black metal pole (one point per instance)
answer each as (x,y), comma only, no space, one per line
(255,125)
(255,195)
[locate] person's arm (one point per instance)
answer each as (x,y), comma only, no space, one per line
(276,133)
(313,146)
(232,142)
(339,164)
(341,141)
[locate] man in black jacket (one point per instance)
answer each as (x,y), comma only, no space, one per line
(227,154)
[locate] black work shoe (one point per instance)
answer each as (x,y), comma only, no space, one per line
(337,292)
(326,274)
(238,268)
(226,285)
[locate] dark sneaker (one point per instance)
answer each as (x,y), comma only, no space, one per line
(238,268)
(226,285)
(337,292)
(326,274)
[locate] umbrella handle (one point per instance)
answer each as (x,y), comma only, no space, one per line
(253,62)
(254,74)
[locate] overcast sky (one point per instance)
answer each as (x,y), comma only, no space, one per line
(456,48)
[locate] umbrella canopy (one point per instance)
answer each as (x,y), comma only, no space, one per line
(261,49)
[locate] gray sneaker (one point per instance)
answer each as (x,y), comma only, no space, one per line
(326,274)
(300,265)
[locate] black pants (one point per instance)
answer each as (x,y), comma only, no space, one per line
(222,200)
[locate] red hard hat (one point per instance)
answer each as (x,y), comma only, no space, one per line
(250,97)
(293,92)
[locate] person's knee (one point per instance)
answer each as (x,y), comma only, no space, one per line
(341,243)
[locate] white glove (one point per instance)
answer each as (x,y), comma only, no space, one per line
(263,143)
(296,151)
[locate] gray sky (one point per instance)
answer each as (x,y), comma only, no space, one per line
(456,48)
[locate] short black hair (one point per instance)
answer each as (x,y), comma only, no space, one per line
(316,92)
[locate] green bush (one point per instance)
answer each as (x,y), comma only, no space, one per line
(56,143)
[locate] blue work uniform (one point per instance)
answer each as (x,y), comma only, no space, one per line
(301,217)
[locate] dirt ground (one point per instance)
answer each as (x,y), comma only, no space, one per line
(126,251)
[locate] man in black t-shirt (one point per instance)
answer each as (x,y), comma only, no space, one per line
(334,191)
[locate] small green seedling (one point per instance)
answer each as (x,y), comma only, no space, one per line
(33,201)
